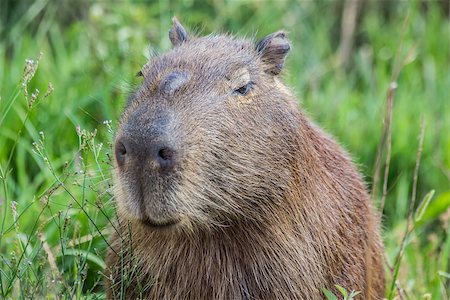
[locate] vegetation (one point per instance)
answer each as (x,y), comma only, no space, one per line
(66,70)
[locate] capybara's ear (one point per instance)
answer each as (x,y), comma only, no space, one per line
(177,33)
(273,50)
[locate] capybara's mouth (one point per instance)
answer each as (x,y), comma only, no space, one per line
(155,224)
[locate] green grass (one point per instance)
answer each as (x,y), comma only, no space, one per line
(56,199)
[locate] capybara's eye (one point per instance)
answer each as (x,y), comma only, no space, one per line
(243,90)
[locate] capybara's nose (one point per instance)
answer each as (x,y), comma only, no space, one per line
(159,156)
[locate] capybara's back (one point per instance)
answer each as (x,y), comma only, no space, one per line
(226,190)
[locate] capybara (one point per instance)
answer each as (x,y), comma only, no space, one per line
(227,190)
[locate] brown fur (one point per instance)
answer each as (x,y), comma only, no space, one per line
(265,204)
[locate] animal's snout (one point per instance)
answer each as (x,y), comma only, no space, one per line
(147,143)
(159,155)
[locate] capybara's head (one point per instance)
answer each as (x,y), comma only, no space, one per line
(210,137)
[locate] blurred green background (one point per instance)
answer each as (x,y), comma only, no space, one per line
(56,192)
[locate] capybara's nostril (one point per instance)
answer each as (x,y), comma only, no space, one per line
(165,153)
(121,152)
(166,158)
